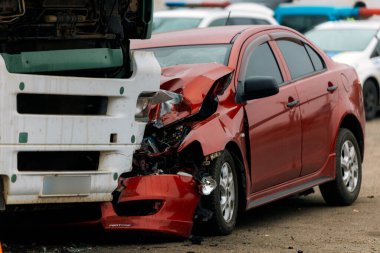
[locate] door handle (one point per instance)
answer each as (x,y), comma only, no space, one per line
(332,87)
(293,103)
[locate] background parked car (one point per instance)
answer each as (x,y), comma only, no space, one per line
(269,3)
(182,19)
(355,43)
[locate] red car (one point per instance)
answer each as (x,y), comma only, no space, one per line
(253,114)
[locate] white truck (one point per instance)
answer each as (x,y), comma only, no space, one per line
(72,97)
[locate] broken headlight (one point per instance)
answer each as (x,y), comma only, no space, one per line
(142,108)
(162,97)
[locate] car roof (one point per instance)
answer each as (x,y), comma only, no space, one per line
(203,13)
(199,36)
(349,24)
(250,7)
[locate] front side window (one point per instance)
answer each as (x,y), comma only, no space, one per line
(296,57)
(263,63)
(341,40)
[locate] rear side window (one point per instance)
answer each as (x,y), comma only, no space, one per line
(247,21)
(263,63)
(218,22)
(315,58)
(296,58)
(376,52)
(238,21)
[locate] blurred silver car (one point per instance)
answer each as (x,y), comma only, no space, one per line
(182,19)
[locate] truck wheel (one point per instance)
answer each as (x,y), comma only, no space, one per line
(371,99)
(223,201)
(344,190)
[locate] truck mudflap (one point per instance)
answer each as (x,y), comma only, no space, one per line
(157,203)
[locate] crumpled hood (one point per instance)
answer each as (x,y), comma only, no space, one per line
(193,82)
(349,58)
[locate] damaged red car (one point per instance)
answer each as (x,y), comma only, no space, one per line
(250,115)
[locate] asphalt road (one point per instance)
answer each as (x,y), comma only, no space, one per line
(302,224)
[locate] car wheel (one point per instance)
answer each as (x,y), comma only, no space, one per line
(371,99)
(223,201)
(344,190)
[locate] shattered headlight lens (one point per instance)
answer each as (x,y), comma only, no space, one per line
(142,106)
(147,99)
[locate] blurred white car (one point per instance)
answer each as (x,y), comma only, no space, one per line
(355,43)
(182,19)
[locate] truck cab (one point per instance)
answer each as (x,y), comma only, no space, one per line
(72,97)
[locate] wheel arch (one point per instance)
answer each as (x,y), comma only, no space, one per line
(352,123)
(236,153)
(195,149)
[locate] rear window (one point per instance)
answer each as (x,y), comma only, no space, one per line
(170,56)
(296,58)
(342,40)
(238,21)
(303,23)
(315,58)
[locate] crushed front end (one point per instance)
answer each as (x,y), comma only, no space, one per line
(162,192)
(159,203)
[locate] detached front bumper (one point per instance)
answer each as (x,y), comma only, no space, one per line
(158,203)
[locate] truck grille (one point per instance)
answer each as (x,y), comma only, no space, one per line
(58,161)
(61,104)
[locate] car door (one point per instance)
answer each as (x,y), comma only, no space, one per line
(274,122)
(318,94)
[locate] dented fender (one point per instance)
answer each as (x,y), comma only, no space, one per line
(216,132)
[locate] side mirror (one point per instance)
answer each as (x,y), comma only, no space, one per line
(260,87)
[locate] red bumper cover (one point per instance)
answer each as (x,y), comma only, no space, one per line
(177,196)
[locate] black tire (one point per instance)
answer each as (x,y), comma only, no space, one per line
(218,223)
(371,99)
(343,192)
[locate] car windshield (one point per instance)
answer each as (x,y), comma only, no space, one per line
(341,40)
(303,23)
(170,56)
(161,24)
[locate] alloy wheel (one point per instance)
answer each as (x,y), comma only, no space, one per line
(350,166)
(227,192)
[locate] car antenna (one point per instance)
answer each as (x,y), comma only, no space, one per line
(228,18)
